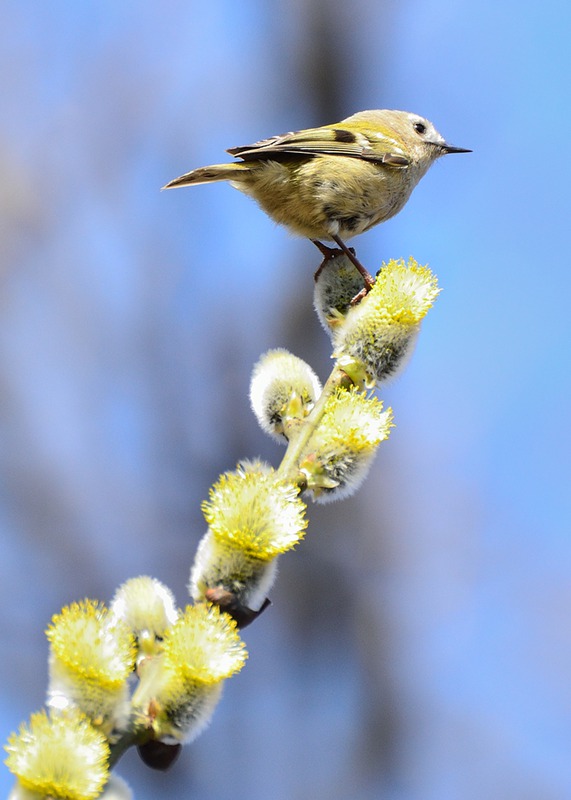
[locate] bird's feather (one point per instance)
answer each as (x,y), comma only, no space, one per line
(334,141)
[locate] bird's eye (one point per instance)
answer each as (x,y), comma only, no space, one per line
(420,127)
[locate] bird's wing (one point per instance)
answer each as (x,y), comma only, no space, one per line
(334,141)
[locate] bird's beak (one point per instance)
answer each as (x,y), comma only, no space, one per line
(447,148)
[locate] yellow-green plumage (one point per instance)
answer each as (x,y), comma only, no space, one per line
(336,181)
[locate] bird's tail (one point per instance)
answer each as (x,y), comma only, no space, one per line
(216,172)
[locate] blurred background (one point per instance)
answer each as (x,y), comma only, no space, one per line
(418,646)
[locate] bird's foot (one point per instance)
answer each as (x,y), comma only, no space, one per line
(350,253)
(328,253)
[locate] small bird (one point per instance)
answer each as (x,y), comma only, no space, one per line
(336,181)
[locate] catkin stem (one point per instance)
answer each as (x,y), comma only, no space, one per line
(289,467)
(132,736)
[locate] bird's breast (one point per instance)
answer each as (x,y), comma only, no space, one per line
(326,196)
(362,195)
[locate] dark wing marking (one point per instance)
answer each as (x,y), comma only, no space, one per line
(323,141)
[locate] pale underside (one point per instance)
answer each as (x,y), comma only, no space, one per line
(326,196)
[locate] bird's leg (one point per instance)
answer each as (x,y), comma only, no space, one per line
(367,277)
(327,253)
